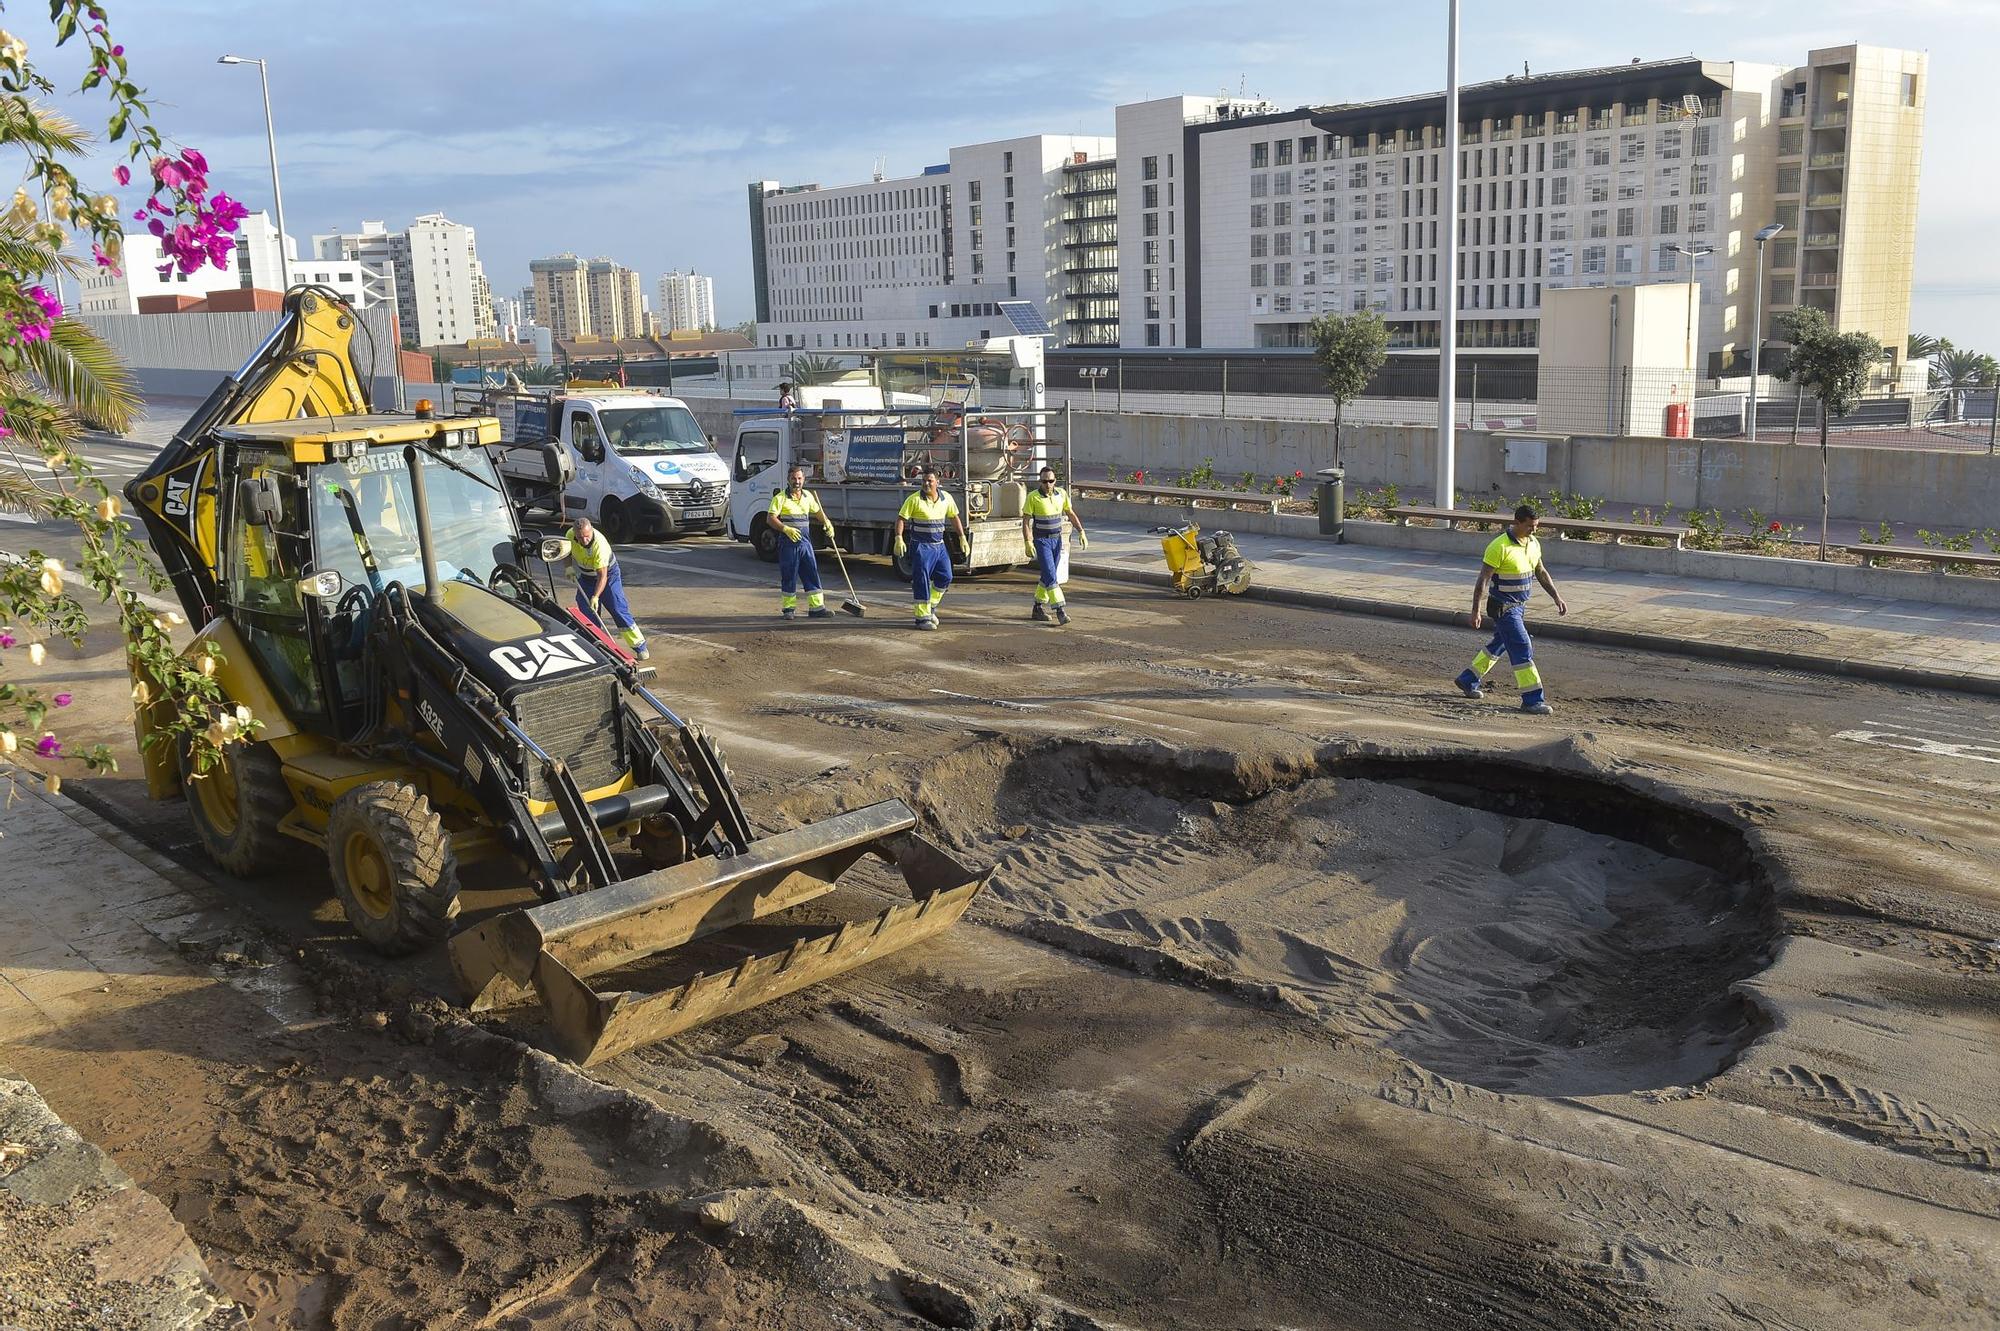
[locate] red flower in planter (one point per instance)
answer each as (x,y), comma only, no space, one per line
(1777,526)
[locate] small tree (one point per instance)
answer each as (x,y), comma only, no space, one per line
(1349,349)
(1834,366)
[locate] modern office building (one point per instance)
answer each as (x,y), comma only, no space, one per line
(430,270)
(1230,224)
(687,302)
(918,261)
(253,264)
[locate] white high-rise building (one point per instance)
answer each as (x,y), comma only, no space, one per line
(687,302)
(441,289)
(369,247)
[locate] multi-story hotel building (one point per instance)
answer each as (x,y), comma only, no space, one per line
(1222,224)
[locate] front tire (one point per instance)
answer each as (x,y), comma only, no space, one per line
(765,539)
(617,525)
(393,867)
(236,807)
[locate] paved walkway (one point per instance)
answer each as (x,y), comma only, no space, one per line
(1900,641)
(89,926)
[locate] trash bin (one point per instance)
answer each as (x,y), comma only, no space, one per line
(1332,500)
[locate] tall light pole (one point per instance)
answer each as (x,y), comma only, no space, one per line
(271,141)
(1447,479)
(1693,253)
(1764,233)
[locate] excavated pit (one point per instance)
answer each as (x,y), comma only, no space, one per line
(1503,924)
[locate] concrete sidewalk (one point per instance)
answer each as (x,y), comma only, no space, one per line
(89,922)
(1897,641)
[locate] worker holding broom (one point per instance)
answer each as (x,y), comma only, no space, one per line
(924,515)
(1042,527)
(600,587)
(793,511)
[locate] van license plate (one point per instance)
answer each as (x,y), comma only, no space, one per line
(696,514)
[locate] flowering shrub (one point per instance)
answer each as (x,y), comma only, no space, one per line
(55,373)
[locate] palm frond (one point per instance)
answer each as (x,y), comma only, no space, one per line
(82,371)
(19,493)
(42,125)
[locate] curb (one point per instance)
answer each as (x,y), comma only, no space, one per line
(1706,649)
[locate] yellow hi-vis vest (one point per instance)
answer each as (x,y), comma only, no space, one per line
(590,558)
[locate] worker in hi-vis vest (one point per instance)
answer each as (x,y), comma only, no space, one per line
(600,587)
(924,515)
(1507,577)
(792,512)
(1042,526)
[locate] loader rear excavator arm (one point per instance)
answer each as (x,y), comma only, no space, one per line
(304,368)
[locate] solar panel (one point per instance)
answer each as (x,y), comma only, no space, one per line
(1026,316)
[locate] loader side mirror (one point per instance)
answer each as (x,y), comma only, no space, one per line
(556,462)
(257,501)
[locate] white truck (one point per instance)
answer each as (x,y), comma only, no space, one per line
(863,461)
(643,465)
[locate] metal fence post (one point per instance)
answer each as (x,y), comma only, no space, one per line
(1121,385)
(1798,406)
(1225,388)
(1993,422)
(1472,402)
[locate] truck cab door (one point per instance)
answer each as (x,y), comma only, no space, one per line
(585,440)
(755,473)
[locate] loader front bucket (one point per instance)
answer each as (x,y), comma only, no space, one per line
(550,951)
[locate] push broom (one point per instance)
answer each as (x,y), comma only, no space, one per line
(852,605)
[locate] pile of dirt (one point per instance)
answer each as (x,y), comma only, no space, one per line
(1517,953)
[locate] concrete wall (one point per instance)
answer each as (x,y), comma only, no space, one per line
(1907,487)
(186,355)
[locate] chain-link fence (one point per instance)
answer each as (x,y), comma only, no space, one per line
(1524,394)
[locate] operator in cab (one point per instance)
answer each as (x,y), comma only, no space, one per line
(600,587)
(924,516)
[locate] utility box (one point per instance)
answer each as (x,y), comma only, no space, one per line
(1614,358)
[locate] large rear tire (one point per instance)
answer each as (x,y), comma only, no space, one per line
(393,867)
(236,807)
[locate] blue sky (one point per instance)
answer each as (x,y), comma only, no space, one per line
(631,129)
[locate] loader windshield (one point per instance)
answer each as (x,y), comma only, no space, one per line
(470,524)
(648,430)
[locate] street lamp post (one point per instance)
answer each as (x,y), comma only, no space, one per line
(1693,252)
(271,141)
(1764,233)
(1447,479)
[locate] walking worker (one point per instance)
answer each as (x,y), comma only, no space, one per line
(924,515)
(1512,567)
(1042,526)
(600,587)
(793,508)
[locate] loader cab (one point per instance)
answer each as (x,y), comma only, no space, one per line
(296,540)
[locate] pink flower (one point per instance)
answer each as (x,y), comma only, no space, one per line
(7,639)
(48,746)
(106,261)
(123,174)
(196,162)
(168,173)
(118,50)
(62,700)
(50,305)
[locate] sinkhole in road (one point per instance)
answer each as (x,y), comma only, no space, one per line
(1500,923)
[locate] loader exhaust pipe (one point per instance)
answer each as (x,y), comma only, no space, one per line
(420,499)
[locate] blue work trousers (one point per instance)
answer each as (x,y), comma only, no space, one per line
(616,609)
(930,574)
(1048,554)
(1510,635)
(798,567)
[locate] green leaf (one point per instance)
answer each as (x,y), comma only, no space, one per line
(82,370)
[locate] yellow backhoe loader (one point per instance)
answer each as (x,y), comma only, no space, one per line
(427,703)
